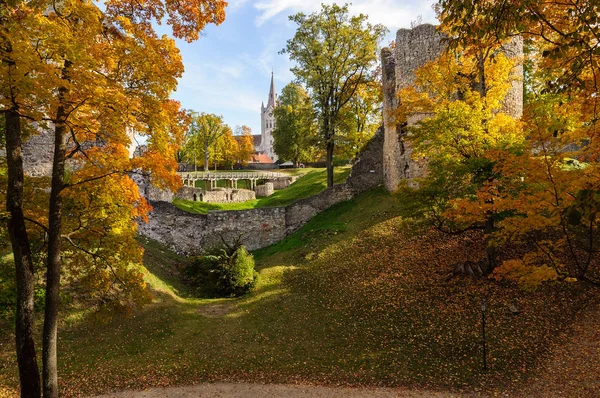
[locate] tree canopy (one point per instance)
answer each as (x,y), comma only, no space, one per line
(333,54)
(89,77)
(535,178)
(295,131)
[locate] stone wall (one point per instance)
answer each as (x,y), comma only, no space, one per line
(189,233)
(513,103)
(216,196)
(149,191)
(298,213)
(264,190)
(227,195)
(219,195)
(38,153)
(414,48)
(282,182)
(367,170)
(242,195)
(189,193)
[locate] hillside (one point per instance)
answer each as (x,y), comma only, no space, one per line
(359,296)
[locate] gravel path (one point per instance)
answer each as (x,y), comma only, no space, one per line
(242,390)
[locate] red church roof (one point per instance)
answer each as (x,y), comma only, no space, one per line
(260,158)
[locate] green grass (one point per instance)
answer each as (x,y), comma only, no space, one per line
(312,182)
(355,297)
(203,207)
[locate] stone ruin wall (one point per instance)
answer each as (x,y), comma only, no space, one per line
(265,190)
(38,153)
(414,48)
(189,233)
(219,195)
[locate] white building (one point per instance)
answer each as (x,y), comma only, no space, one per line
(267,124)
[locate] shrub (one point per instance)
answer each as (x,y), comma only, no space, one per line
(224,272)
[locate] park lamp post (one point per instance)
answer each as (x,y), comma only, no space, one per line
(483,341)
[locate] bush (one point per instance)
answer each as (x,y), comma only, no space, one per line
(224,272)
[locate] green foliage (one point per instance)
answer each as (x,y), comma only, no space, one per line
(333,54)
(295,135)
(459,136)
(361,117)
(224,272)
(202,137)
(8,288)
(550,189)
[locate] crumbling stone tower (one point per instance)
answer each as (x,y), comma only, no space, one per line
(414,48)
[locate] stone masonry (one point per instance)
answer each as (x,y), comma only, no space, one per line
(414,48)
(264,190)
(189,233)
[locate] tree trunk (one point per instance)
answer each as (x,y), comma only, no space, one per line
(330,146)
(490,251)
(50,374)
(29,374)
(206,156)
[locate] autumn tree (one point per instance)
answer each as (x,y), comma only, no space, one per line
(333,54)
(245,144)
(552,188)
(294,134)
(88,76)
(461,130)
(225,149)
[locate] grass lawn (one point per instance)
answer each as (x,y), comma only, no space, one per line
(311,182)
(356,297)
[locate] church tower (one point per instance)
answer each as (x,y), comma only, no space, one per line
(267,124)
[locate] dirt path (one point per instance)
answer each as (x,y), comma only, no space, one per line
(233,390)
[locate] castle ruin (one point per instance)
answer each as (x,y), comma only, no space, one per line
(414,48)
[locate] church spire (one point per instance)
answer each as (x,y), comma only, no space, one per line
(272,94)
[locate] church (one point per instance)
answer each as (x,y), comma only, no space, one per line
(263,143)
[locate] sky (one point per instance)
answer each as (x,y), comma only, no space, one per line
(228,70)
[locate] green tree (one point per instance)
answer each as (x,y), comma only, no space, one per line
(361,117)
(203,135)
(294,134)
(334,53)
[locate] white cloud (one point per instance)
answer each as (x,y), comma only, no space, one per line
(233,4)
(392,13)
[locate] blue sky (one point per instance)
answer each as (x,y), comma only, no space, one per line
(228,70)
